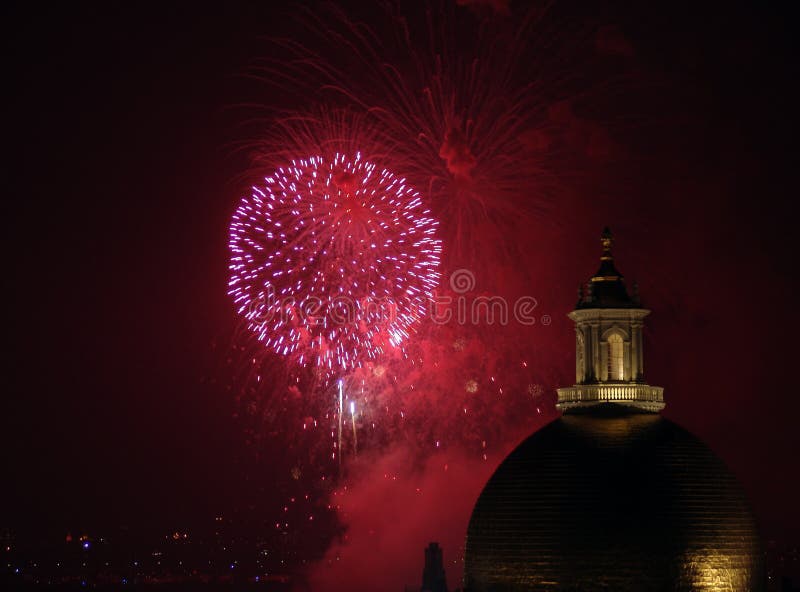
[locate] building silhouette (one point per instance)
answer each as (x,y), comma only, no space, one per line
(433,576)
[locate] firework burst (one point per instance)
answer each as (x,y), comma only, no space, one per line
(332,261)
(449,99)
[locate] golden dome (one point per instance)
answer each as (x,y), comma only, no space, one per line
(612,500)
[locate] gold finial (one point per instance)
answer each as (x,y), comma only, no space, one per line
(606,240)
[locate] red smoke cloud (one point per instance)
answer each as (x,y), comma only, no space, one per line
(393,509)
(455,150)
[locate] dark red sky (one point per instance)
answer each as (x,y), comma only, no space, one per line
(120,182)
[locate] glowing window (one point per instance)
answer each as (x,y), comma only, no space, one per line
(615,364)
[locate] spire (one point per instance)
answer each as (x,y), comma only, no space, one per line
(607,271)
(433,576)
(607,285)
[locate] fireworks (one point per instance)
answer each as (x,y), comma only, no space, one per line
(479,114)
(448,96)
(332,261)
(458,107)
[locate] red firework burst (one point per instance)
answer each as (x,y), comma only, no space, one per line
(463,102)
(332,261)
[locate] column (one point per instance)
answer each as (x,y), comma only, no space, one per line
(595,329)
(640,352)
(627,360)
(634,355)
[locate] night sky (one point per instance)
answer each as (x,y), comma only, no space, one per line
(122,174)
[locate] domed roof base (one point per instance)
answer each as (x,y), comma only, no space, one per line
(612,500)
